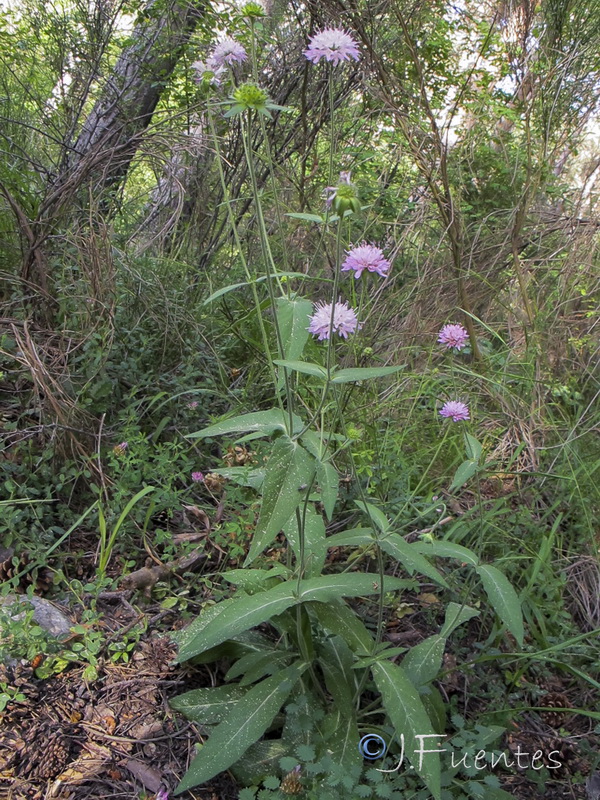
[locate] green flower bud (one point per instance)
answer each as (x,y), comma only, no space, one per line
(346,199)
(249,95)
(253,10)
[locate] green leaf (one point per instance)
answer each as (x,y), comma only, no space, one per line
(335,660)
(293,317)
(423,662)
(473,448)
(315,547)
(207,706)
(503,599)
(264,421)
(243,476)
(338,618)
(464,473)
(364,373)
(306,367)
(307,217)
(289,468)
(456,615)
(374,514)
(241,613)
(244,725)
(232,287)
(408,716)
(259,760)
(340,737)
(329,483)
(393,544)
(444,549)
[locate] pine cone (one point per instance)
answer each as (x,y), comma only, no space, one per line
(558,700)
(40,577)
(47,753)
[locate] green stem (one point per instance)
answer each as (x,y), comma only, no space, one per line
(238,243)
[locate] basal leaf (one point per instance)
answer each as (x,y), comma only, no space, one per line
(503,599)
(329,483)
(409,718)
(243,726)
(315,547)
(207,706)
(338,618)
(289,469)
(444,549)
(423,661)
(264,421)
(244,612)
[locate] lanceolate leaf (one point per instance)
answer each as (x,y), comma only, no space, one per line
(242,613)
(208,706)
(315,546)
(443,549)
(244,725)
(422,663)
(293,318)
(329,482)
(363,373)
(306,367)
(456,615)
(338,618)
(265,422)
(408,716)
(394,545)
(289,471)
(503,599)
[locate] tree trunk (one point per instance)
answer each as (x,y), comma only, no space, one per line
(114,128)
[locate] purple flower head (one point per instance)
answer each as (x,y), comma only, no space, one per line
(162,794)
(455,410)
(120,448)
(225,54)
(193,404)
(366,257)
(197,477)
(453,336)
(344,320)
(202,70)
(334,45)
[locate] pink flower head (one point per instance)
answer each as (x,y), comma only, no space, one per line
(455,410)
(197,477)
(193,404)
(344,320)
(334,45)
(202,69)
(120,448)
(453,336)
(225,54)
(366,257)
(162,794)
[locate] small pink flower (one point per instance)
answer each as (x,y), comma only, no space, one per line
(225,54)
(193,404)
(332,44)
(456,410)
(366,257)
(202,69)
(120,448)
(344,320)
(162,794)
(197,477)
(453,335)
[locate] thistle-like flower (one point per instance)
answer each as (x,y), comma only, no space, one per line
(197,477)
(455,410)
(366,257)
(344,320)
(225,54)
(211,75)
(332,44)
(453,336)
